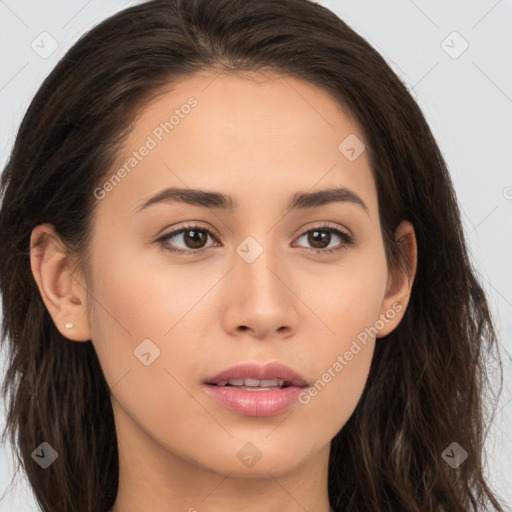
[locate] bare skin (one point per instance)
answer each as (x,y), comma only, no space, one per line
(260,140)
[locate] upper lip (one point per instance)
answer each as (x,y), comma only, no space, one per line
(268,371)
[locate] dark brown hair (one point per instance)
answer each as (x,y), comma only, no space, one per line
(427,380)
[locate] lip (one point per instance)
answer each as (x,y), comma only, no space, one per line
(260,403)
(268,371)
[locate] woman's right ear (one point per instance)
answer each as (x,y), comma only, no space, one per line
(62,292)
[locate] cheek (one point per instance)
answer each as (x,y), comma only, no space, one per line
(136,300)
(350,306)
(349,297)
(134,297)
(140,316)
(342,364)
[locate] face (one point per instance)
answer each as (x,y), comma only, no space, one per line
(263,275)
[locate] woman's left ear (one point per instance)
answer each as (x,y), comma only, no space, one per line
(62,291)
(400,281)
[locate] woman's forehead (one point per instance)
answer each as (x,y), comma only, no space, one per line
(227,133)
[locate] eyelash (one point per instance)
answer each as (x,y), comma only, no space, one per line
(348,239)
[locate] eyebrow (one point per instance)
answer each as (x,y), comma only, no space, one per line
(217,200)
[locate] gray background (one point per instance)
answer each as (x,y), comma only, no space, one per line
(465,95)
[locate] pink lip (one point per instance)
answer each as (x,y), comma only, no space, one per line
(258,402)
(255,403)
(269,371)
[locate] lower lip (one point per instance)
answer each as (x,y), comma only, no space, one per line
(255,403)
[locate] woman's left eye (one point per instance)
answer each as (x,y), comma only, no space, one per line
(195,236)
(318,235)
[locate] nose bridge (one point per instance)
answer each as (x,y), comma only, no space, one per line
(258,297)
(257,265)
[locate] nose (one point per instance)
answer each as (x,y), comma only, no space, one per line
(259,297)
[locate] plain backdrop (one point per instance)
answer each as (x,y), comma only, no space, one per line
(455,58)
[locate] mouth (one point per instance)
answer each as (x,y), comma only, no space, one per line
(254,377)
(253,384)
(253,390)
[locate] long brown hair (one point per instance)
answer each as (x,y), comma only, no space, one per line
(427,380)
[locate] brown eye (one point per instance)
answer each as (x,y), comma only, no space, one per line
(191,238)
(319,238)
(194,238)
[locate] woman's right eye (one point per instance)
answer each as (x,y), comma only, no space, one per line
(194,236)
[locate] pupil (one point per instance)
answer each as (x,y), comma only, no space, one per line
(324,236)
(196,242)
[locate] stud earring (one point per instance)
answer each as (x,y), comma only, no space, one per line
(388,316)
(69,326)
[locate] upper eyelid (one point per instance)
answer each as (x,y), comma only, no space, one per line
(325,225)
(191,225)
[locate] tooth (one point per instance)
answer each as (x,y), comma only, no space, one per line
(252,382)
(269,383)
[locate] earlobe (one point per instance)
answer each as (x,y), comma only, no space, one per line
(62,294)
(400,280)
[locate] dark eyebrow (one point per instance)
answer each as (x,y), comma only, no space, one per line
(323,197)
(216,200)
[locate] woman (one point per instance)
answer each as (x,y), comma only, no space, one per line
(234,275)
